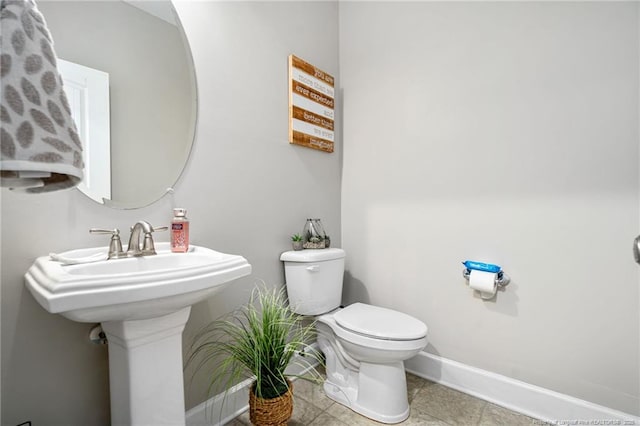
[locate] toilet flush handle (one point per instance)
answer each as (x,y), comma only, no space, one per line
(313,268)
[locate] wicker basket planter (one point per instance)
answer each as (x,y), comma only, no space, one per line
(271,412)
(258,340)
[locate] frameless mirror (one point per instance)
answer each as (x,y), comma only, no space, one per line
(130,80)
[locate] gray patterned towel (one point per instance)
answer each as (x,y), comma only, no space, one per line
(40,148)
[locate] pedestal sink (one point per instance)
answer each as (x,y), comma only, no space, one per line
(143,304)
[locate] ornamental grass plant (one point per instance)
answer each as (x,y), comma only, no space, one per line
(258,340)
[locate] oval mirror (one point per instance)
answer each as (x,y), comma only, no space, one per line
(129,76)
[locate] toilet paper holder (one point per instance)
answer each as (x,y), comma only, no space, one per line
(502,279)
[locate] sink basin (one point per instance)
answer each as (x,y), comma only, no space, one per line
(143,304)
(132,288)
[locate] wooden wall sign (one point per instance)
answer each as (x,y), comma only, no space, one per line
(311,106)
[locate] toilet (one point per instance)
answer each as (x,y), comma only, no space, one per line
(364,345)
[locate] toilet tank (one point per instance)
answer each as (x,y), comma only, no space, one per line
(314,279)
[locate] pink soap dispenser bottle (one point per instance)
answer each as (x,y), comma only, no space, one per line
(179,231)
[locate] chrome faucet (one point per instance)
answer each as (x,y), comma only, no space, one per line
(135,248)
(146,247)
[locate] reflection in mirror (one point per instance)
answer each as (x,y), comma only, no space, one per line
(140,47)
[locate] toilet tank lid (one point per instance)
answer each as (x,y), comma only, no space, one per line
(380,322)
(312,255)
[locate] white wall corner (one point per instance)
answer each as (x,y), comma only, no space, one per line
(533,401)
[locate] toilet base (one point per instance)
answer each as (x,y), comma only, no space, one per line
(377,391)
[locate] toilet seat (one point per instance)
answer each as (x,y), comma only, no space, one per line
(379,323)
(371,341)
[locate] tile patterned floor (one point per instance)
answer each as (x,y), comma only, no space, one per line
(431,405)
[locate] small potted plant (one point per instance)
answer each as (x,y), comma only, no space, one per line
(297,242)
(259,340)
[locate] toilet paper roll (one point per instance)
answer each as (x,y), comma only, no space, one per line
(484,282)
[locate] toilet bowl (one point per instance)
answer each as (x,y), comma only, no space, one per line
(364,345)
(365,372)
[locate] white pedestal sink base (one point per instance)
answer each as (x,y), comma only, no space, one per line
(145,370)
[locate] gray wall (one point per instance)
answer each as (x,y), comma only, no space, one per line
(245,187)
(504,132)
(508,133)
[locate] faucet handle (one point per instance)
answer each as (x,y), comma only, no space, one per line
(148,247)
(114,231)
(115,245)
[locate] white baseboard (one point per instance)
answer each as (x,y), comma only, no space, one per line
(533,401)
(223,408)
